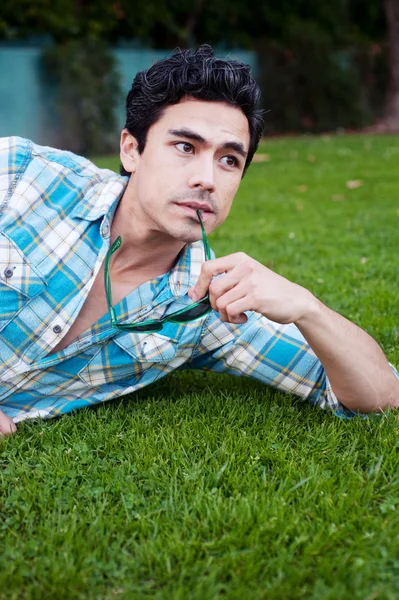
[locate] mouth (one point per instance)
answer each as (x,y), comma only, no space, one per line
(192,207)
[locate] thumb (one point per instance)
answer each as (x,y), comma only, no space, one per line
(192,294)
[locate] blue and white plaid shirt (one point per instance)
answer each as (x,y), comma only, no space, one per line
(55,214)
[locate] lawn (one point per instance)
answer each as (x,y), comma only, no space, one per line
(203,487)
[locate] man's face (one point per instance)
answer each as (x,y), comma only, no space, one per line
(194,157)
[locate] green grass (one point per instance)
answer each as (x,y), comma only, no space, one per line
(206,487)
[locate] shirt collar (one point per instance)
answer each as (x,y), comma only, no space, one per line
(101,199)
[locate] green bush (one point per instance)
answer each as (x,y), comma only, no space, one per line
(86,89)
(309,85)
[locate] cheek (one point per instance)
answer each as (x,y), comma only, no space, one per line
(161,173)
(228,190)
(151,178)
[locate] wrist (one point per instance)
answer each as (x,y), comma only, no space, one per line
(312,312)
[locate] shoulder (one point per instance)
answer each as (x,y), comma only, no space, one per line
(14,152)
(68,161)
(34,179)
(31,174)
(17,153)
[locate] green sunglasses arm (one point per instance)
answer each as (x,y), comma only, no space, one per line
(151,322)
(107,280)
(204,238)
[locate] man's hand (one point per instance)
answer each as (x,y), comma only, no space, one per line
(358,371)
(248,285)
(7,425)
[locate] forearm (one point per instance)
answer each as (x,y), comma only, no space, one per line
(356,367)
(354,363)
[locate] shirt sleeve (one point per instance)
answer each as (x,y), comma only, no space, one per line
(15,153)
(277,355)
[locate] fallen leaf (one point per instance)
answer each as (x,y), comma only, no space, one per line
(302,188)
(338,197)
(312,158)
(261,157)
(353,184)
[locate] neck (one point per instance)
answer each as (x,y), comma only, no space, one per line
(143,249)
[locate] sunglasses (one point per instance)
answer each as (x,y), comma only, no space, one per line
(185,315)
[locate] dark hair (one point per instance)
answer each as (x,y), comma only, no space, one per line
(197,73)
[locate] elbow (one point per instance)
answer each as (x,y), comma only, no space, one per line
(387,399)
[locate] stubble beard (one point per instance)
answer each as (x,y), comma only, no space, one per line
(192,233)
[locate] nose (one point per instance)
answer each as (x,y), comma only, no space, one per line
(203,176)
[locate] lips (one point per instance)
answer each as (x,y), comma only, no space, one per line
(190,208)
(196,206)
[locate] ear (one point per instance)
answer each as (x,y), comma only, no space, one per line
(129,151)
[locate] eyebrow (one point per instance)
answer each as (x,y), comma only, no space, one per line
(192,135)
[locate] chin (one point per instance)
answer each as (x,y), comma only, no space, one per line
(188,233)
(191,240)
(188,237)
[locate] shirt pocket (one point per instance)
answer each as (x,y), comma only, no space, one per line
(19,280)
(128,358)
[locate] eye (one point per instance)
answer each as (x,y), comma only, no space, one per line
(185,147)
(230,161)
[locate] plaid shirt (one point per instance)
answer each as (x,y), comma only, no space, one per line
(55,214)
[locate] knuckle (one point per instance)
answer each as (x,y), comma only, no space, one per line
(206,267)
(220,305)
(249,265)
(213,288)
(230,312)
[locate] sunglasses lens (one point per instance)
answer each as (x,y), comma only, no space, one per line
(193,313)
(144,327)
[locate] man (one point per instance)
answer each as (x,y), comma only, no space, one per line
(105,284)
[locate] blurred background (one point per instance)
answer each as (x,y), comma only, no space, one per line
(67,65)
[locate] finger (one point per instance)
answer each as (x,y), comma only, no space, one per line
(211,268)
(7,425)
(235,311)
(8,429)
(220,286)
(238,292)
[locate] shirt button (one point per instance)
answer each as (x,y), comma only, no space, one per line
(105,229)
(8,273)
(57,328)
